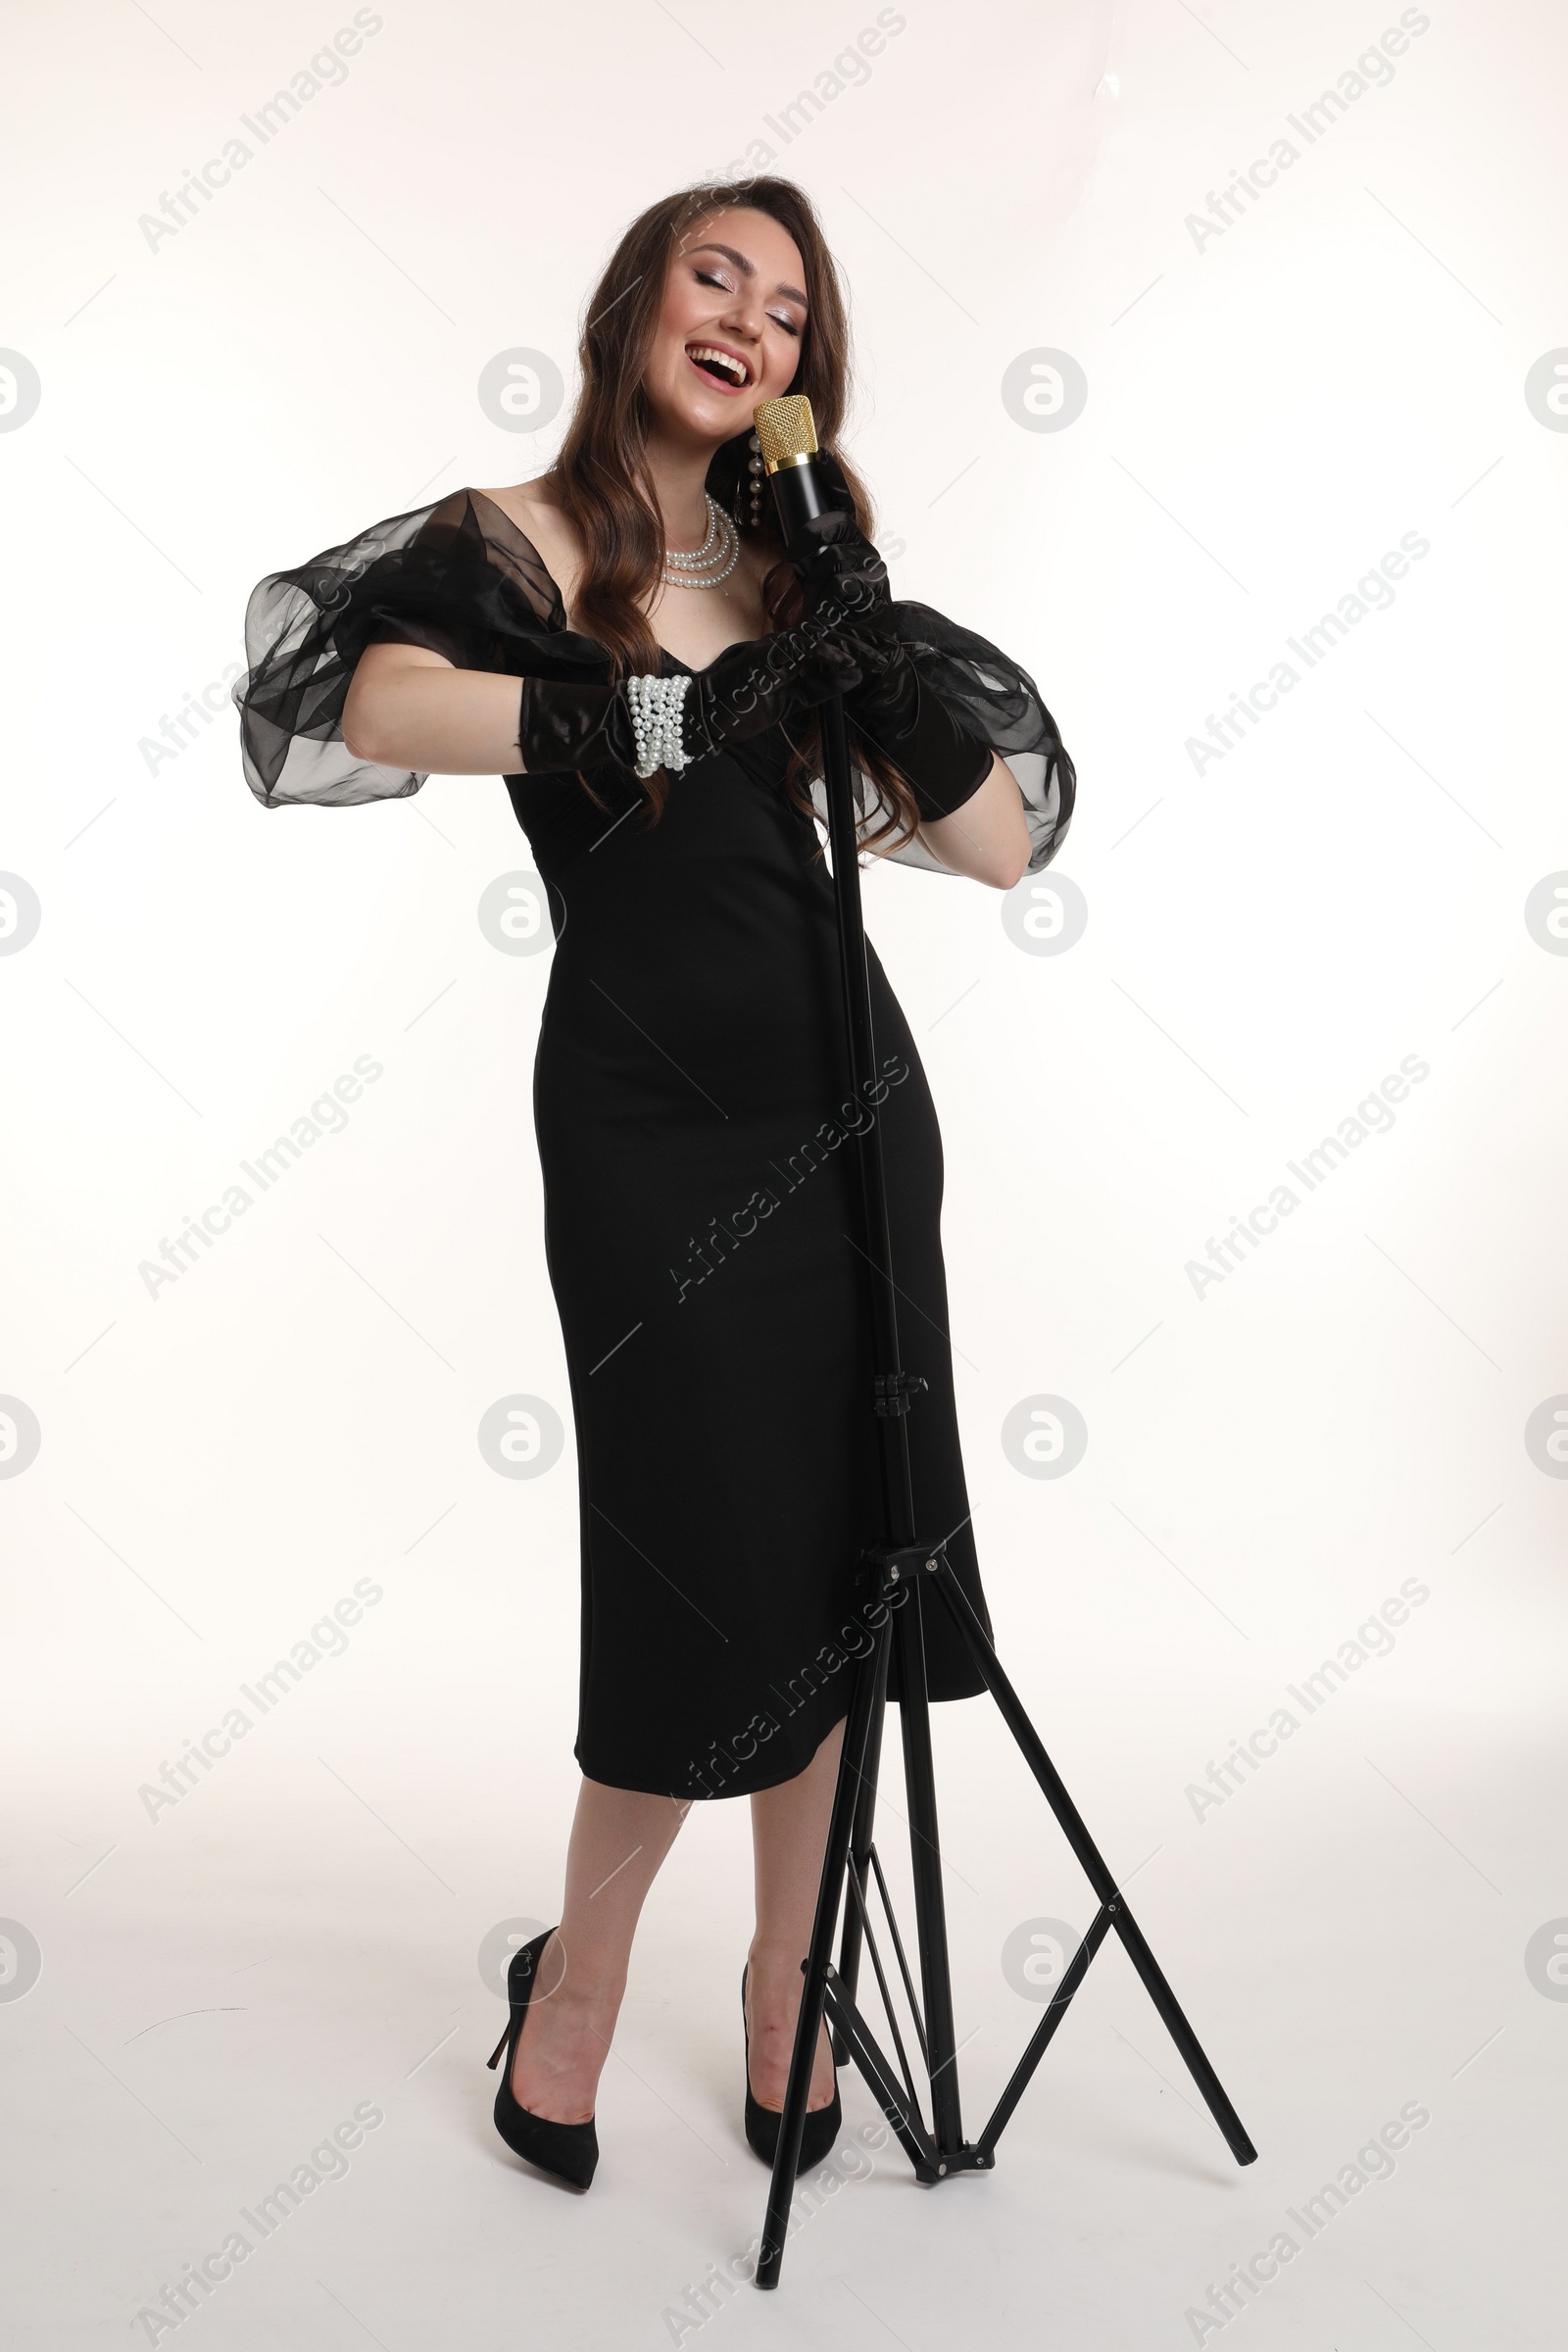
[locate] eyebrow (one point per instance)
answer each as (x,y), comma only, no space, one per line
(749,269)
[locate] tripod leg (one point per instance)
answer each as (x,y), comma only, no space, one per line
(1182,2034)
(852,1934)
(869,1679)
(1094,1867)
(925,1854)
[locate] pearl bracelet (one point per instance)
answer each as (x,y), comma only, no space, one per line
(657,705)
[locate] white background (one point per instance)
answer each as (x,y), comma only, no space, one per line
(1269,410)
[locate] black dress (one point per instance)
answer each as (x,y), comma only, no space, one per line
(693,1118)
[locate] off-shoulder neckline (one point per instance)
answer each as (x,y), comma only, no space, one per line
(560,619)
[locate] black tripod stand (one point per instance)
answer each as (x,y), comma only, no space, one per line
(904,1576)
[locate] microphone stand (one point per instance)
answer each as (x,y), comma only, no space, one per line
(901,1577)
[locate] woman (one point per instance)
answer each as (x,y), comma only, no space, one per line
(689,1102)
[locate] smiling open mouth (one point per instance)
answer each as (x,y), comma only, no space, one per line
(722,366)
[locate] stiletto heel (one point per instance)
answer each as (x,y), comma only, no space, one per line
(763,2122)
(568,2150)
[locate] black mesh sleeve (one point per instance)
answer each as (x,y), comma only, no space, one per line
(989,696)
(458,577)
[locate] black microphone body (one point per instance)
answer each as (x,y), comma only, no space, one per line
(800,496)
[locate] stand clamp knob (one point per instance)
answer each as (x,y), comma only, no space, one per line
(893,1392)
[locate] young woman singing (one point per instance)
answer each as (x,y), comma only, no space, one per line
(661,755)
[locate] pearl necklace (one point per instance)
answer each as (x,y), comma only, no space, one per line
(708,565)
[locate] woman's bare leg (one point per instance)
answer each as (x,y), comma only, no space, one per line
(619,1836)
(789,1835)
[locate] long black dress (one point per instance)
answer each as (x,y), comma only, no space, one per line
(691,1105)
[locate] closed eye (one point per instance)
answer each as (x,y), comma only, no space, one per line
(705,277)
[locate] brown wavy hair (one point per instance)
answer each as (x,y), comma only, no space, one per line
(602,479)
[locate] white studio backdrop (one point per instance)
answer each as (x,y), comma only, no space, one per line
(1207,356)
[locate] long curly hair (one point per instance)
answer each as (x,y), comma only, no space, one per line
(602,479)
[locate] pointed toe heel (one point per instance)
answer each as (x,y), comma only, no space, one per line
(763,2122)
(569,2151)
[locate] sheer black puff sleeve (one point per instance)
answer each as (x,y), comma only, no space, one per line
(993,699)
(458,576)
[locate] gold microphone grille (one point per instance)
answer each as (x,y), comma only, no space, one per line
(785,431)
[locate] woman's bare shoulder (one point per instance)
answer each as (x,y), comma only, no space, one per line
(537,513)
(533,506)
(524,501)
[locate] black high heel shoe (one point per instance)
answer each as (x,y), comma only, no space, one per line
(568,2150)
(763,2122)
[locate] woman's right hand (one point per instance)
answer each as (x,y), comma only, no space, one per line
(750,687)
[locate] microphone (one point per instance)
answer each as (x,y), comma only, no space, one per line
(787,436)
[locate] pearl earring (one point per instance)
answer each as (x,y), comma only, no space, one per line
(756,470)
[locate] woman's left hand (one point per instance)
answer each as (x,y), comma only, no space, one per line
(841,572)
